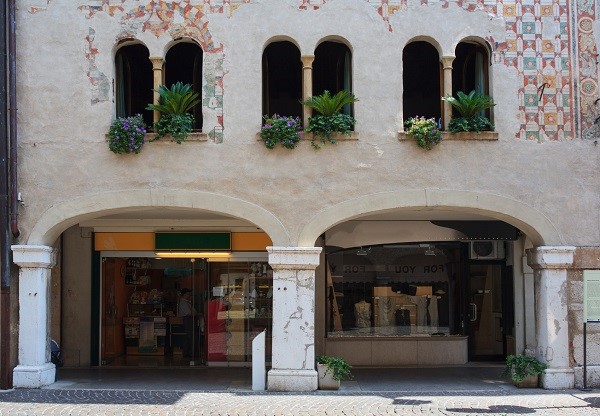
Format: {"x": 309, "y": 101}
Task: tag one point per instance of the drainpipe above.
{"x": 12, "y": 96}
{"x": 5, "y": 368}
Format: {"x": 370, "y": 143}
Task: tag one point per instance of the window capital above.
{"x": 447, "y": 61}
{"x": 307, "y": 61}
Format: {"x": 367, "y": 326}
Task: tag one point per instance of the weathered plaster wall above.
{"x": 65, "y": 64}
{"x": 76, "y": 296}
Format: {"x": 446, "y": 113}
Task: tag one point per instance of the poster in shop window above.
{"x": 591, "y": 295}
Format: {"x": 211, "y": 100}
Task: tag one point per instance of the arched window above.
{"x": 332, "y": 70}
{"x": 183, "y": 63}
{"x": 470, "y": 70}
{"x": 421, "y": 81}
{"x": 282, "y": 80}
{"x": 134, "y": 82}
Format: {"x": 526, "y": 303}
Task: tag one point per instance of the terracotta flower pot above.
{"x": 528, "y": 382}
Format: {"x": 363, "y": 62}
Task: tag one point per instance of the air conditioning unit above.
{"x": 486, "y": 250}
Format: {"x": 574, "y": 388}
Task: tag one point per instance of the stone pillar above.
{"x": 551, "y": 308}
{"x": 307, "y": 92}
{"x": 529, "y": 308}
{"x": 293, "y": 350}
{"x": 35, "y": 369}
{"x": 157, "y": 66}
{"x": 447, "y": 65}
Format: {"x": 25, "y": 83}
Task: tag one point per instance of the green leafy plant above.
{"x": 520, "y": 367}
{"x": 330, "y": 120}
{"x": 174, "y": 106}
{"x": 338, "y": 366}
{"x": 126, "y": 134}
{"x": 470, "y": 107}
{"x": 424, "y": 130}
{"x": 281, "y": 129}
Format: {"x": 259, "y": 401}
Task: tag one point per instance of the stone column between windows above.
{"x": 307, "y": 92}
{"x": 293, "y": 344}
{"x": 157, "y": 70}
{"x": 551, "y": 309}
{"x": 34, "y": 369}
{"x": 447, "y": 65}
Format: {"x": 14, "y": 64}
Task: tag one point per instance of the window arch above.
{"x": 282, "y": 79}
{"x": 421, "y": 81}
{"x": 134, "y": 81}
{"x": 470, "y": 68}
{"x": 332, "y": 70}
{"x": 183, "y": 63}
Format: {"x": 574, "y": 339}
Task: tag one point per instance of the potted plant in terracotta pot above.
{"x": 524, "y": 370}
{"x": 175, "y": 104}
{"x": 330, "y": 119}
{"x": 331, "y": 371}
{"x": 470, "y": 107}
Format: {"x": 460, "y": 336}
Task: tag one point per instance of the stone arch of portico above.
{"x": 529, "y": 220}
{"x": 66, "y": 214}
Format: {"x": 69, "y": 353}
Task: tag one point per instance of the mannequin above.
{"x": 362, "y": 311}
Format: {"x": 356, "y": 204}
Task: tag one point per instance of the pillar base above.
{"x": 292, "y": 380}
{"x": 34, "y": 376}
{"x": 558, "y": 378}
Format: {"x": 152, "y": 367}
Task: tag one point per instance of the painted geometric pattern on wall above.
{"x": 538, "y": 44}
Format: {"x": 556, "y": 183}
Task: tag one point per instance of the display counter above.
{"x": 388, "y": 351}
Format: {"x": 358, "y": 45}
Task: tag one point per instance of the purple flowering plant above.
{"x": 424, "y": 130}
{"x": 281, "y": 129}
{"x": 126, "y": 134}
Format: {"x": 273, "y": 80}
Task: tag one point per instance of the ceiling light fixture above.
{"x": 362, "y": 251}
{"x": 191, "y": 254}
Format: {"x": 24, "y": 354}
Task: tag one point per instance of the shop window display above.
{"x": 232, "y": 301}
{"x": 396, "y": 290}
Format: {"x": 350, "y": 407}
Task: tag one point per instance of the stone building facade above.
{"x": 537, "y": 175}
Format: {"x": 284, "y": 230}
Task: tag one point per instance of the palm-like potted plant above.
{"x": 524, "y": 370}
{"x": 470, "y": 107}
{"x": 330, "y": 120}
{"x": 174, "y": 106}
{"x": 332, "y": 370}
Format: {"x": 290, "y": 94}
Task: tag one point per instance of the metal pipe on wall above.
{"x": 12, "y": 97}
{"x": 5, "y": 367}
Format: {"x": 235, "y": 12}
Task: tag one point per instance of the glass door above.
{"x": 487, "y": 338}
{"x": 239, "y": 308}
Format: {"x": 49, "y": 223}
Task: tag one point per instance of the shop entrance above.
{"x": 183, "y": 311}
{"x": 490, "y": 311}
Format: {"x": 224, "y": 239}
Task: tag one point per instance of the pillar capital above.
{"x": 447, "y": 61}
{"x": 294, "y": 258}
{"x": 550, "y": 257}
{"x": 307, "y": 61}
{"x": 157, "y": 62}
{"x": 33, "y": 256}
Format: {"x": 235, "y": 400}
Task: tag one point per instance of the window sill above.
{"x": 462, "y": 136}
{"x": 353, "y": 136}
{"x": 196, "y": 136}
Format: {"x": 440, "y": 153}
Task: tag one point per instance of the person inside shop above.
{"x": 186, "y": 310}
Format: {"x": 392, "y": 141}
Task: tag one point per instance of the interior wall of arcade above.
{"x": 74, "y": 312}
{"x": 235, "y": 164}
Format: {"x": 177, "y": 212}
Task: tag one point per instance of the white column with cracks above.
{"x": 293, "y": 343}
{"x": 551, "y": 309}
{"x": 34, "y": 369}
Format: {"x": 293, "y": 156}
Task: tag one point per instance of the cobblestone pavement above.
{"x": 242, "y": 401}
